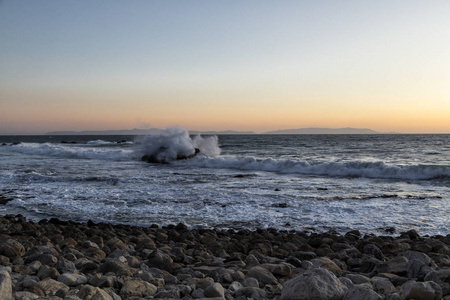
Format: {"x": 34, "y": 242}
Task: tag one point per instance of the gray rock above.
{"x": 383, "y": 286}
{"x": 441, "y": 277}
{"x": 118, "y": 266}
{"x": 314, "y": 284}
{"x": 397, "y": 265}
{"x": 137, "y": 287}
{"x": 251, "y": 261}
{"x": 90, "y": 292}
{"x": 160, "y": 260}
{"x": 326, "y": 263}
{"x": 12, "y": 249}
{"x": 357, "y": 278}
{"x": 410, "y": 255}
{"x": 198, "y": 293}
{"x": 72, "y": 279}
{"x": 115, "y": 243}
{"x": 251, "y": 292}
{"x": 28, "y": 281}
{"x": 281, "y": 270}
{"x": 52, "y": 287}
{"x": 24, "y": 295}
{"x": 359, "y": 292}
{"x": 168, "y": 294}
{"x": 421, "y": 290}
{"x": 47, "y": 271}
{"x": 347, "y": 282}
{"x": 5, "y": 285}
{"x": 102, "y": 281}
{"x": 250, "y": 281}
{"x": 414, "y": 268}
{"x": 215, "y": 290}
{"x": 234, "y": 286}
{"x": 373, "y": 250}
{"x": 35, "y": 266}
{"x": 47, "y": 259}
{"x": 264, "y": 276}
{"x": 65, "y": 266}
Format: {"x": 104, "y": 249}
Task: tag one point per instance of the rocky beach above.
{"x": 54, "y": 259}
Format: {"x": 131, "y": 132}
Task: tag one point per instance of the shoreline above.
{"x": 70, "y": 260}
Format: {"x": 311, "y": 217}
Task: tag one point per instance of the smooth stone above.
{"x": 24, "y": 295}
{"x": 46, "y": 271}
{"x": 358, "y": 292}
{"x": 215, "y": 290}
{"x": 264, "y": 276}
{"x": 326, "y": 263}
{"x": 421, "y": 290}
{"x": 234, "y": 286}
{"x": 52, "y": 287}
{"x": 160, "y": 260}
{"x": 313, "y": 284}
{"x": 72, "y": 279}
{"x": 357, "y": 278}
{"x": 12, "y": 249}
{"x": 252, "y": 293}
{"x": 281, "y": 270}
{"x": 250, "y": 282}
{"x": 91, "y": 292}
{"x": 5, "y": 285}
{"x": 137, "y": 287}
{"x": 383, "y": 286}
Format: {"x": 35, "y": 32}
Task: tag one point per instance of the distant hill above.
{"x": 313, "y": 130}
{"x": 152, "y": 131}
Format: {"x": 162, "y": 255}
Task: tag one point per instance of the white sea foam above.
{"x": 174, "y": 143}
{"x": 377, "y": 169}
{"x": 99, "y": 142}
{"x": 71, "y": 151}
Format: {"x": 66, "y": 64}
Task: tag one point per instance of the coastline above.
{"x": 69, "y": 260}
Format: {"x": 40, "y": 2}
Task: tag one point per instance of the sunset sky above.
{"x": 217, "y": 65}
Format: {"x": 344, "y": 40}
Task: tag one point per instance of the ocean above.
{"x": 314, "y": 183}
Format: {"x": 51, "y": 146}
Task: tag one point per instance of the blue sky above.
{"x": 243, "y": 65}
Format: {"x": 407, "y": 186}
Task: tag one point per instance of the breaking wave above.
{"x": 71, "y": 152}
{"x": 175, "y": 143}
{"x": 351, "y": 169}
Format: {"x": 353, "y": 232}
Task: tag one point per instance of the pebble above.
{"x": 55, "y": 259}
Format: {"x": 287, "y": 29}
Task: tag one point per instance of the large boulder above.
{"x": 428, "y": 290}
{"x": 263, "y": 275}
{"x": 314, "y": 284}
{"x": 5, "y": 285}
{"x": 12, "y": 249}
{"x": 137, "y": 287}
{"x": 358, "y": 292}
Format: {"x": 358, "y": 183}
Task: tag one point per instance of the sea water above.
{"x": 288, "y": 182}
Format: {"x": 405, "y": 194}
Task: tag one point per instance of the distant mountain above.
{"x": 225, "y": 132}
{"x": 313, "y": 130}
{"x": 152, "y": 131}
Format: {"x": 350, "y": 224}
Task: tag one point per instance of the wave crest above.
{"x": 175, "y": 143}
{"x": 377, "y": 169}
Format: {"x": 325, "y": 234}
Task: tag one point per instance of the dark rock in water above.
{"x": 16, "y": 143}
{"x": 281, "y": 205}
{"x": 157, "y": 159}
{"x": 4, "y": 200}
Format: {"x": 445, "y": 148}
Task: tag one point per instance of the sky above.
{"x": 224, "y": 65}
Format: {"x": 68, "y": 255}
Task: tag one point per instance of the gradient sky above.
{"x": 215, "y": 65}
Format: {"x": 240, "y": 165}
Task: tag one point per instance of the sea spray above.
{"x": 173, "y": 144}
